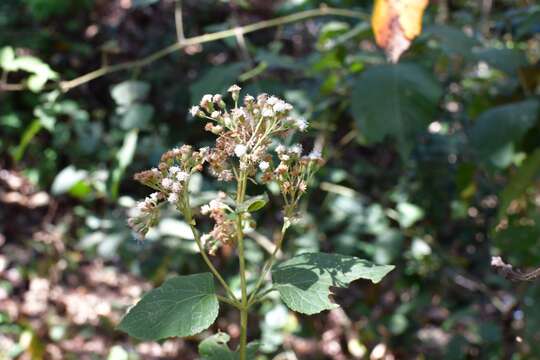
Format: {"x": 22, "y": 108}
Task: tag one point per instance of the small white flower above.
{"x": 194, "y": 110}
{"x": 141, "y": 205}
{"x": 281, "y": 149}
{"x": 206, "y": 99}
{"x": 153, "y": 197}
{"x": 240, "y": 150}
{"x": 301, "y": 124}
{"x": 176, "y": 187}
{"x": 166, "y": 183}
{"x": 204, "y": 150}
{"x": 296, "y": 149}
{"x": 205, "y": 209}
{"x": 315, "y": 155}
{"x": 216, "y": 204}
{"x": 173, "y": 198}
{"x": 267, "y": 112}
{"x": 234, "y": 88}
{"x": 280, "y": 106}
{"x": 264, "y": 165}
{"x": 217, "y": 98}
{"x": 182, "y": 176}
{"x": 205, "y": 238}
{"x": 272, "y": 100}
{"x": 174, "y": 169}
{"x": 215, "y": 114}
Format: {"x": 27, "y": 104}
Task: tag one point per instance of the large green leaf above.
{"x": 304, "y": 281}
{"x": 394, "y": 99}
{"x": 498, "y": 128}
{"x": 520, "y": 181}
{"x": 215, "y": 348}
{"x": 182, "y": 306}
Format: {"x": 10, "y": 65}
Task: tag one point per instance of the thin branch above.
{"x": 508, "y": 271}
{"x": 219, "y": 35}
{"x": 178, "y": 20}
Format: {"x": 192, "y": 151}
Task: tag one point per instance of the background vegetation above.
{"x": 433, "y": 166}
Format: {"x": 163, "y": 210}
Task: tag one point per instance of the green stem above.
{"x": 267, "y": 266}
{"x": 241, "y": 191}
{"x": 189, "y": 219}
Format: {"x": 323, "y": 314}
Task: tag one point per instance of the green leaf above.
{"x": 520, "y": 181}
{"x": 7, "y": 59}
{"x": 124, "y": 158}
{"x": 137, "y": 116}
{"x": 215, "y": 348}
{"x": 498, "y": 128}
{"x": 452, "y": 40}
{"x": 254, "y": 203}
{"x": 507, "y": 60}
{"x": 304, "y": 281}
{"x": 216, "y": 80}
{"x": 397, "y": 100}
{"x": 67, "y": 179}
{"x": 129, "y": 92}
{"x": 182, "y": 306}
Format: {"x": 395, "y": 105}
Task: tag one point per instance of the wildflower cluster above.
{"x": 170, "y": 180}
{"x": 244, "y": 132}
{"x": 245, "y": 135}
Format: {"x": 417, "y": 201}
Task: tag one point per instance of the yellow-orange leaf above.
{"x": 396, "y": 23}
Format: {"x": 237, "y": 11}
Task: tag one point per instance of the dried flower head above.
{"x": 245, "y": 135}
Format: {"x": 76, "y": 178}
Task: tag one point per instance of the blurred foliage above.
{"x": 433, "y": 165}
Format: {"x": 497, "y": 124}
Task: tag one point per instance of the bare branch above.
{"x": 67, "y": 85}
{"x": 508, "y": 271}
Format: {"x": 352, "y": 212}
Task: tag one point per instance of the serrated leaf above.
{"x": 520, "y": 181}
{"x": 397, "y": 100}
{"x": 304, "y": 281}
{"x": 215, "y": 348}
{"x": 498, "y": 128}
{"x": 182, "y": 306}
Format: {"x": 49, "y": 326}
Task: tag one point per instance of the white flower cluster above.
{"x": 173, "y": 183}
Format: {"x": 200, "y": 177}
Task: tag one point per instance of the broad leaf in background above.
{"x": 130, "y": 92}
{"x": 182, "y": 306}
{"x": 124, "y": 157}
{"x": 394, "y": 99}
{"x": 304, "y": 281}
{"x": 216, "y": 80}
{"x": 520, "y": 181}
{"x": 396, "y": 23}
{"x": 506, "y": 60}
{"x": 452, "y": 40}
{"x": 67, "y": 179}
{"x": 215, "y": 348}
{"x": 496, "y": 129}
